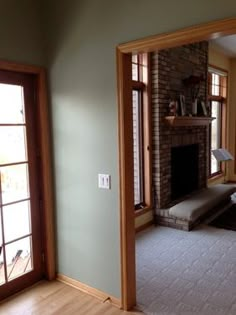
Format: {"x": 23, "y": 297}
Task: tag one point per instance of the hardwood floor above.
{"x": 57, "y": 298}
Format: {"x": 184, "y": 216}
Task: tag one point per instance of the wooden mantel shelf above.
{"x": 188, "y": 121}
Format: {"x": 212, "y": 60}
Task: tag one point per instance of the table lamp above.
{"x": 222, "y": 155}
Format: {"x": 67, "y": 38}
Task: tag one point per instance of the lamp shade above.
{"x": 222, "y": 155}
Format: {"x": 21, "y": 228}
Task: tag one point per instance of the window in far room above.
{"x": 141, "y": 131}
{"x": 217, "y": 93}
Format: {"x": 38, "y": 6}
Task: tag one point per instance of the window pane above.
{"x": 16, "y": 220}
{"x": 137, "y": 148}
{"x": 215, "y": 84}
{"x": 215, "y": 134}
{"x": 14, "y": 181}
{"x": 134, "y": 72}
{"x": 12, "y": 104}
{"x": 19, "y": 258}
{"x": 135, "y": 58}
{"x": 12, "y": 139}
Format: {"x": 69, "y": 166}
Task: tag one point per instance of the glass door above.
{"x": 20, "y": 243}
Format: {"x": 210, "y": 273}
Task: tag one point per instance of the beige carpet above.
{"x": 186, "y": 272}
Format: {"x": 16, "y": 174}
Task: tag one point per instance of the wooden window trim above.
{"x": 45, "y": 161}
{"x": 142, "y": 211}
{"x": 217, "y": 98}
{"x": 137, "y": 85}
{"x": 222, "y": 98}
{"x": 147, "y": 127}
{"x": 127, "y": 227}
{"x": 215, "y": 178}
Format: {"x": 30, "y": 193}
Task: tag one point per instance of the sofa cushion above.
{"x": 201, "y": 202}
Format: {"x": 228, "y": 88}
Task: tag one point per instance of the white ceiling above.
{"x": 226, "y": 45}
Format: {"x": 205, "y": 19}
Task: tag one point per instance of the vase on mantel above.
{"x": 194, "y": 107}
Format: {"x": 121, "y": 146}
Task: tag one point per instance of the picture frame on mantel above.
{"x": 173, "y": 108}
{"x": 194, "y": 107}
{"x": 204, "y": 109}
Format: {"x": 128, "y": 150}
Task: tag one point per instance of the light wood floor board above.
{"x": 55, "y": 298}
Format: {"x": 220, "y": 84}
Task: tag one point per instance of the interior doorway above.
{"x": 124, "y": 56}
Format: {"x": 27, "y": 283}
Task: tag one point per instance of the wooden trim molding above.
{"x": 181, "y": 37}
{"x": 127, "y": 224}
{"x": 140, "y": 212}
{"x": 46, "y": 161}
{"x": 47, "y": 180}
{"x": 102, "y": 296}
{"x": 18, "y": 67}
{"x": 219, "y": 178}
{"x": 124, "y": 85}
{"x": 223, "y": 99}
{"x": 144, "y": 226}
{"x": 147, "y": 133}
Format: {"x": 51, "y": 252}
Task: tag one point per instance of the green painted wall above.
{"x": 82, "y": 37}
{"x": 21, "y": 37}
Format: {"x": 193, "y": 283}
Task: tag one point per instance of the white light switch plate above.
{"x": 104, "y": 181}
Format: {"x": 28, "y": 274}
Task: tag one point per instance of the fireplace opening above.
{"x": 184, "y": 170}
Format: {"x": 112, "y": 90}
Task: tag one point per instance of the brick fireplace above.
{"x": 169, "y": 69}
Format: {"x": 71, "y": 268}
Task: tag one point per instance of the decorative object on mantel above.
{"x": 199, "y": 108}
{"x": 198, "y": 105}
{"x": 194, "y": 107}
{"x": 177, "y": 107}
{"x": 173, "y": 108}
{"x": 204, "y": 109}
{"x": 182, "y": 105}
{"x": 179, "y": 121}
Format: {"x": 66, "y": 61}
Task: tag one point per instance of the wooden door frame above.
{"x": 188, "y": 35}
{"x": 47, "y": 206}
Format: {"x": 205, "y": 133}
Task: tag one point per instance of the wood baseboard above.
{"x": 102, "y": 296}
{"x": 144, "y": 226}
